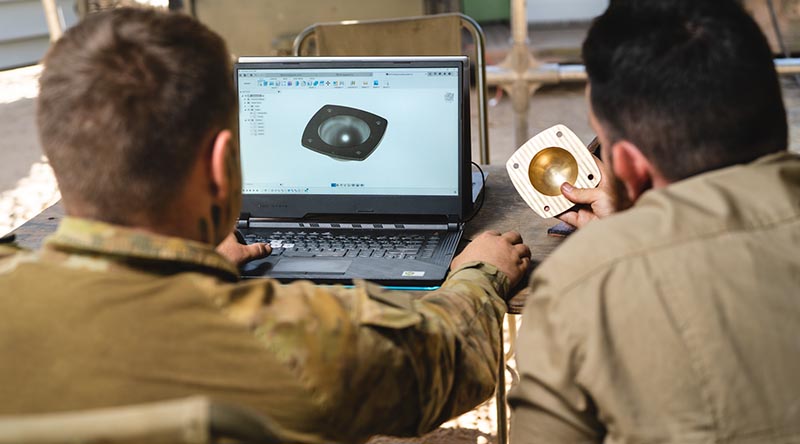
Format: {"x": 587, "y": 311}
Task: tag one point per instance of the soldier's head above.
{"x": 135, "y": 113}
{"x": 680, "y": 87}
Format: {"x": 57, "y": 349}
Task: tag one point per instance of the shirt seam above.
{"x": 689, "y": 343}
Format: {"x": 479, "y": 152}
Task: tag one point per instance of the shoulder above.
{"x": 684, "y": 216}
{"x": 11, "y": 255}
{"x": 7, "y": 250}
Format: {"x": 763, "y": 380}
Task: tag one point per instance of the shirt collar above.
{"x": 777, "y": 157}
{"x": 90, "y": 236}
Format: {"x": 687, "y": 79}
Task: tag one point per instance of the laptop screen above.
{"x": 350, "y": 131}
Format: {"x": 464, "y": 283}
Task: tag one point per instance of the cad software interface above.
{"x": 386, "y": 131}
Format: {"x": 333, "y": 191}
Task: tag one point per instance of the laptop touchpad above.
{"x": 312, "y": 266}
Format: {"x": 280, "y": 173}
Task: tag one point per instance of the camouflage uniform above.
{"x": 104, "y": 315}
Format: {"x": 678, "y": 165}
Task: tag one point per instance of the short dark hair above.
{"x": 127, "y": 97}
{"x": 691, "y": 82}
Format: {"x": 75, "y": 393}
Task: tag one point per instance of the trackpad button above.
{"x": 311, "y": 266}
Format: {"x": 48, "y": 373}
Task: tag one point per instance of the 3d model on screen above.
{"x": 344, "y": 133}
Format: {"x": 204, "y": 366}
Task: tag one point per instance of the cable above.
{"x": 481, "y": 196}
{"x": 779, "y": 35}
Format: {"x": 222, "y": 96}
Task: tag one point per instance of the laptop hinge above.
{"x": 453, "y": 226}
{"x": 271, "y": 223}
{"x": 244, "y": 220}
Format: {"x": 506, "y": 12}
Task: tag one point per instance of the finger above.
{"x": 513, "y": 237}
{"x": 523, "y": 250}
{"x": 585, "y": 196}
{"x": 570, "y": 217}
{"x": 257, "y": 251}
{"x": 491, "y": 233}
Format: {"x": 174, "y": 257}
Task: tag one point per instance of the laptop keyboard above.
{"x": 377, "y": 244}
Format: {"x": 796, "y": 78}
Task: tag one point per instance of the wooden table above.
{"x": 502, "y": 210}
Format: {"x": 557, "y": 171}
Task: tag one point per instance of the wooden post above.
{"x": 83, "y": 8}
{"x": 53, "y": 21}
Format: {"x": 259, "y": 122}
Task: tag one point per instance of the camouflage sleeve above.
{"x": 386, "y": 362}
{"x": 8, "y": 247}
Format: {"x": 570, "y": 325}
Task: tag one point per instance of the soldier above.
{"x": 129, "y": 302}
{"x": 675, "y": 320}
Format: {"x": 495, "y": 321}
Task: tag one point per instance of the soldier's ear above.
{"x": 632, "y": 168}
{"x": 220, "y": 165}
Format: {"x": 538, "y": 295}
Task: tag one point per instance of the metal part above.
{"x": 550, "y": 168}
{"x": 479, "y": 39}
{"x": 500, "y": 391}
{"x": 344, "y": 131}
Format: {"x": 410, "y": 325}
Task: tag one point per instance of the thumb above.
{"x": 576, "y": 195}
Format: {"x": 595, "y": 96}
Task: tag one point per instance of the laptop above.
{"x": 354, "y": 168}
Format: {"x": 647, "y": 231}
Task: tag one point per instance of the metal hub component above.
{"x": 344, "y": 131}
{"x": 550, "y": 168}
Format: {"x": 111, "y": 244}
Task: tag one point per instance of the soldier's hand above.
{"x": 241, "y": 254}
{"x": 505, "y": 251}
{"x": 593, "y": 203}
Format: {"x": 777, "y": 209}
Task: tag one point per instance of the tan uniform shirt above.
{"x": 675, "y": 321}
{"x": 105, "y": 316}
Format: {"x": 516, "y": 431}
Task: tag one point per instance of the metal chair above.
{"x": 193, "y": 420}
{"x": 429, "y": 35}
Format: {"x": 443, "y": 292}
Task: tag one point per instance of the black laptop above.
{"x": 354, "y": 168}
